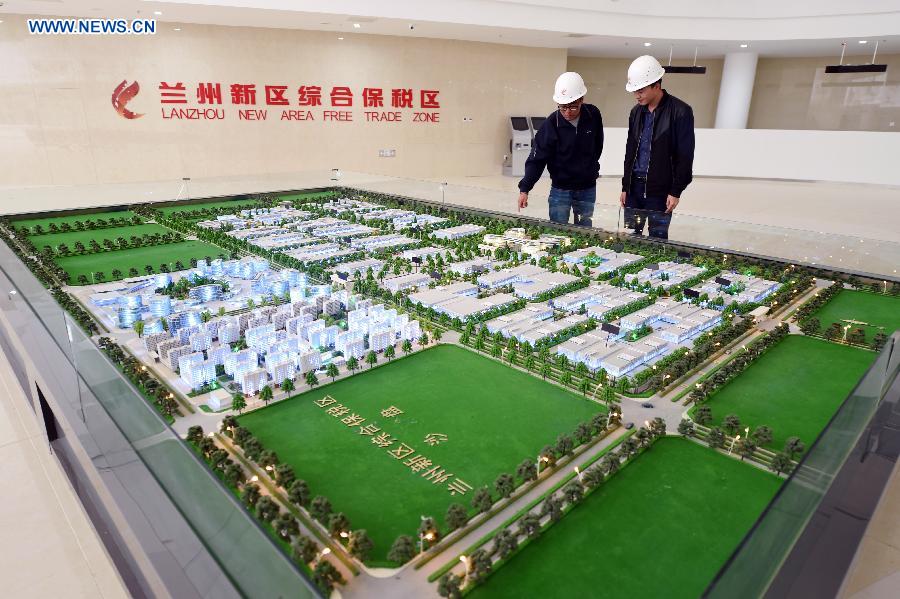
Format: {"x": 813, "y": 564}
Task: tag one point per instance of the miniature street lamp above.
{"x": 465, "y": 562}
{"x": 733, "y": 441}
{"x": 580, "y": 474}
{"x": 846, "y": 328}
{"x": 345, "y": 534}
{"x": 254, "y": 478}
{"x": 320, "y": 555}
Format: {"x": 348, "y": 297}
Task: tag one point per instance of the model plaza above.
{"x": 411, "y": 338}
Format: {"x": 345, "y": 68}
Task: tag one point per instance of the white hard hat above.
{"x": 644, "y": 71}
{"x": 569, "y": 87}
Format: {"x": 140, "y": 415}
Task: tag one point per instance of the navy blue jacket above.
{"x": 571, "y": 155}
{"x": 671, "y": 147}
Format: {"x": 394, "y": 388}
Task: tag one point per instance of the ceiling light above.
{"x": 340, "y": 38}
{"x": 178, "y": 29}
{"x": 863, "y": 41}
{"x": 157, "y": 12}
{"x": 744, "y": 45}
{"x": 647, "y": 44}
{"x": 356, "y": 25}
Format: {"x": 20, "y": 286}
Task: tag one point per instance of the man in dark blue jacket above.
{"x": 659, "y": 153}
{"x": 569, "y": 144}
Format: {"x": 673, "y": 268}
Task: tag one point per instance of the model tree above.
{"x": 449, "y": 586}
{"x": 530, "y": 525}
{"x": 298, "y": 493}
{"x": 238, "y": 402}
{"x": 266, "y": 508}
{"x": 482, "y": 500}
{"x": 686, "y": 428}
{"x": 402, "y": 550}
{"x": 564, "y": 445}
{"x": 480, "y": 564}
{"x": 250, "y": 495}
{"x": 793, "y": 446}
{"x": 338, "y": 523}
{"x": 746, "y": 447}
{"x": 762, "y": 435}
{"x": 287, "y": 384}
{"x": 703, "y": 415}
{"x": 265, "y": 394}
{"x": 326, "y": 576}
{"x": 311, "y": 379}
{"x": 716, "y": 437}
{"x": 780, "y": 463}
{"x": 286, "y": 526}
{"x": 505, "y": 485}
{"x": 553, "y": 506}
{"x": 360, "y": 545}
{"x": 505, "y": 543}
{"x": 406, "y": 346}
{"x": 456, "y": 516}
{"x": 352, "y": 364}
{"x": 731, "y": 423}
{"x": 332, "y": 371}
{"x": 592, "y": 477}
{"x": 320, "y": 509}
{"x": 573, "y": 492}
{"x": 810, "y": 326}
{"x": 371, "y": 358}
{"x": 879, "y": 340}
{"x": 527, "y": 470}
{"x": 389, "y": 352}
{"x": 305, "y": 549}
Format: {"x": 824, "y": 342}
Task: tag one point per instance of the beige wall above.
{"x": 57, "y": 125}
{"x": 795, "y": 93}
{"x": 789, "y": 93}
{"x": 605, "y": 80}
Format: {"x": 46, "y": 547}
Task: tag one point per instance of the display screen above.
{"x": 537, "y": 121}
{"x": 519, "y": 123}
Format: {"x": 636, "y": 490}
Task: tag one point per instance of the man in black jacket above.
{"x": 569, "y": 144}
{"x": 659, "y": 153}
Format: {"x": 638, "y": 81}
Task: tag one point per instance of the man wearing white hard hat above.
{"x": 659, "y": 153}
{"x": 569, "y": 144}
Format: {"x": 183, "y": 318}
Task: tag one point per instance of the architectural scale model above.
{"x": 382, "y": 380}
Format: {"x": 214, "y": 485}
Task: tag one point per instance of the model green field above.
{"x": 84, "y": 216}
{"x": 662, "y": 527}
{"x": 877, "y": 310}
{"x": 494, "y": 417}
{"x": 137, "y": 258}
{"x": 71, "y": 237}
{"x": 795, "y": 387}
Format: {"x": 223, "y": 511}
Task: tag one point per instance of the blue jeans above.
{"x": 650, "y": 210}
{"x": 579, "y": 201}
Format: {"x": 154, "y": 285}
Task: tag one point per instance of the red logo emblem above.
{"x": 122, "y": 95}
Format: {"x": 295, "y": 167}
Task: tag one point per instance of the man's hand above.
{"x": 523, "y": 200}
{"x": 671, "y": 202}
{"x": 622, "y": 199}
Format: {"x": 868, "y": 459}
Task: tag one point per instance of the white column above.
{"x": 738, "y": 76}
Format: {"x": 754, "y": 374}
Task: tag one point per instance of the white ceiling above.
{"x": 616, "y": 28}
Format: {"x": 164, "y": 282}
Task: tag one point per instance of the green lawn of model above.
{"x": 795, "y": 388}
{"x": 45, "y": 221}
{"x": 877, "y": 310}
{"x": 85, "y": 237}
{"x": 138, "y": 258}
{"x": 494, "y": 417}
{"x": 662, "y": 527}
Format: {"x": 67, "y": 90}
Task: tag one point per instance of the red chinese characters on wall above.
{"x": 335, "y": 103}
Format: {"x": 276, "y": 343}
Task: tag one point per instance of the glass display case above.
{"x": 182, "y": 530}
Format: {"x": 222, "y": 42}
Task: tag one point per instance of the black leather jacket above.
{"x": 671, "y": 149}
